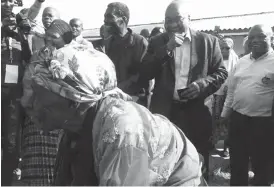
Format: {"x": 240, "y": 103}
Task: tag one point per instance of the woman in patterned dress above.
{"x": 39, "y": 149}
{"x": 108, "y": 140}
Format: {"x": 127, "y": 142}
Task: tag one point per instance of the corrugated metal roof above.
{"x": 233, "y": 23}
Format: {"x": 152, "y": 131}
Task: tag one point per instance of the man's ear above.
{"x": 125, "y": 19}
{"x": 272, "y": 41}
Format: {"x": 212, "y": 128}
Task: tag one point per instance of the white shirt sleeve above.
{"x": 231, "y": 85}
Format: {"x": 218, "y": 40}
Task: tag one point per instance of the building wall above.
{"x": 238, "y": 43}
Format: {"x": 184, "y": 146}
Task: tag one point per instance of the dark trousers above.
{"x": 250, "y": 137}
{"x": 195, "y": 121}
{"x": 11, "y": 115}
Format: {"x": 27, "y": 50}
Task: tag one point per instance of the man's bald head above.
{"x": 77, "y": 27}
{"x": 177, "y": 17}
{"x": 49, "y": 15}
{"x": 260, "y": 38}
{"x": 180, "y": 6}
{"x": 76, "y": 20}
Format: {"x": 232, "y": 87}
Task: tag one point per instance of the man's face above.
{"x": 225, "y": 49}
{"x": 175, "y": 20}
{"x": 6, "y": 7}
{"x": 113, "y": 24}
{"x": 49, "y": 15}
{"x": 77, "y": 28}
{"x": 260, "y": 40}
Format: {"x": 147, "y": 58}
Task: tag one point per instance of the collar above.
{"x": 188, "y": 35}
{"x": 271, "y": 51}
{"x": 78, "y": 38}
{"x": 128, "y": 39}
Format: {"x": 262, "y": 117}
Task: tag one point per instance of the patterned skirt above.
{"x": 39, "y": 152}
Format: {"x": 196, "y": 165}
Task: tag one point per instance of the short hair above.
{"x": 120, "y": 10}
{"x": 75, "y": 19}
{"x": 156, "y": 30}
{"x": 144, "y": 33}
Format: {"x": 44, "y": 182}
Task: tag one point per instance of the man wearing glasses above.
{"x": 188, "y": 67}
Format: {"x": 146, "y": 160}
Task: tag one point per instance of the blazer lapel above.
{"x": 171, "y": 61}
{"x": 195, "y": 43}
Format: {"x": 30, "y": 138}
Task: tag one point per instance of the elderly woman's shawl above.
{"x": 66, "y": 82}
{"x": 131, "y": 146}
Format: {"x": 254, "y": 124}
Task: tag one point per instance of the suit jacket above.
{"x": 207, "y": 70}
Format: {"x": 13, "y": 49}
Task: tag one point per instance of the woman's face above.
{"x": 225, "y": 49}
{"x": 54, "y": 40}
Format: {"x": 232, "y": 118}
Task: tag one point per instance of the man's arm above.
{"x": 35, "y": 9}
{"x": 217, "y": 73}
{"x": 231, "y": 85}
{"x": 153, "y": 60}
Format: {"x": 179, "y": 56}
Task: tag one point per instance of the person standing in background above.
{"x": 37, "y": 39}
{"x": 188, "y": 67}
{"x": 145, "y": 33}
{"x": 156, "y": 31}
{"x": 230, "y": 62}
{"x": 39, "y": 150}
{"x": 126, "y": 49}
{"x": 11, "y": 88}
{"x": 77, "y": 28}
{"x": 100, "y": 44}
{"x": 248, "y": 106}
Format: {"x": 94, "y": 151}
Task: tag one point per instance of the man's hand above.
{"x": 175, "y": 41}
{"x": 192, "y": 91}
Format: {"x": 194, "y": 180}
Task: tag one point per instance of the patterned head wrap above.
{"x": 62, "y": 28}
{"x": 74, "y": 80}
{"x": 80, "y": 74}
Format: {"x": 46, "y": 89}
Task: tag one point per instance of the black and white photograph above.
{"x": 137, "y": 93}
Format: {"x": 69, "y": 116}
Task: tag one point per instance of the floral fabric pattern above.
{"x": 128, "y": 140}
{"x": 82, "y": 75}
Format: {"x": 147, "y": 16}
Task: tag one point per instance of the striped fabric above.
{"x": 38, "y": 155}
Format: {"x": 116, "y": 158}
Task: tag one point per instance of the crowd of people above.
{"x": 129, "y": 109}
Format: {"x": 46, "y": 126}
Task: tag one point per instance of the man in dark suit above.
{"x": 190, "y": 61}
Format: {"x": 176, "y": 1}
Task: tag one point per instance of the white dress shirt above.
{"x": 182, "y": 65}
{"x": 80, "y": 40}
{"x": 251, "y": 87}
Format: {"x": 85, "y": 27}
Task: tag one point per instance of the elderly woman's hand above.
{"x": 58, "y": 70}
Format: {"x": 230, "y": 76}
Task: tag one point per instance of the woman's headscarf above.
{"x": 65, "y": 87}
{"x": 62, "y": 28}
{"x": 80, "y": 74}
